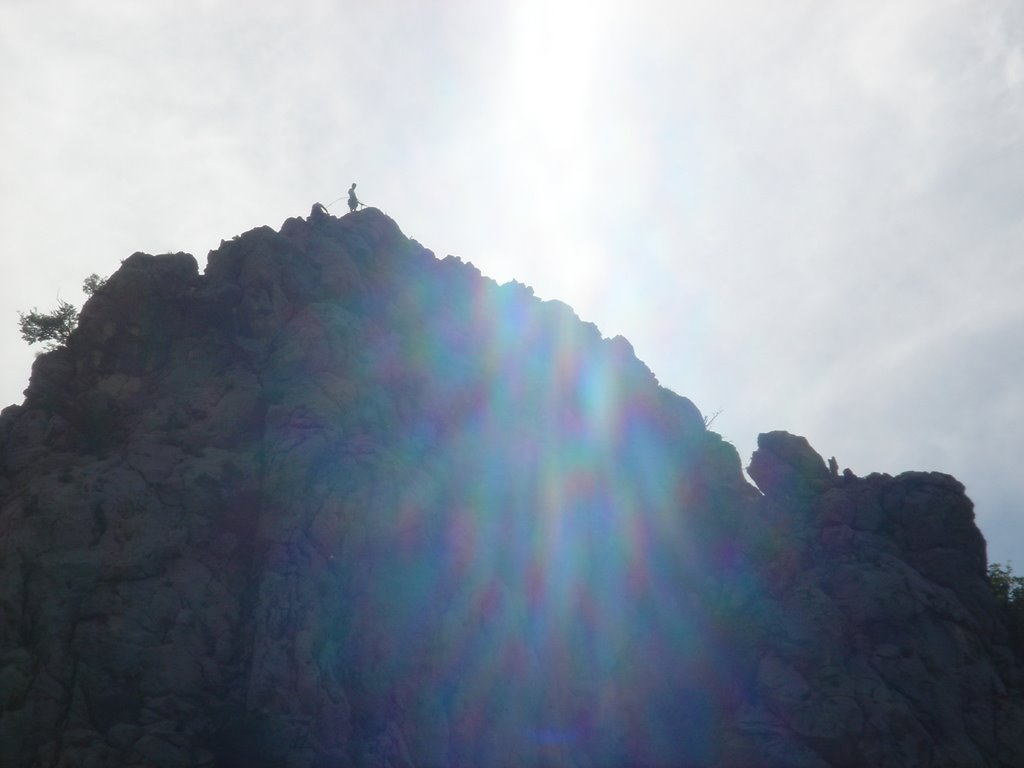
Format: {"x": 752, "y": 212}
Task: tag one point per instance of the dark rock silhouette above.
{"x": 336, "y": 502}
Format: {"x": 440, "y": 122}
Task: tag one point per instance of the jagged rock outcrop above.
{"x": 336, "y": 502}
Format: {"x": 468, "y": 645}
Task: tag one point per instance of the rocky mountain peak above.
{"x": 336, "y": 502}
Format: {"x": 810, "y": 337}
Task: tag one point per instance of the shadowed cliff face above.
{"x": 335, "y": 502}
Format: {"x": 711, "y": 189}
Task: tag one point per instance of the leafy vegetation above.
{"x": 93, "y": 283}
{"x": 55, "y": 327}
{"x": 1008, "y": 591}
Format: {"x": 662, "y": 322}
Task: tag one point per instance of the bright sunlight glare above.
{"x": 551, "y": 103}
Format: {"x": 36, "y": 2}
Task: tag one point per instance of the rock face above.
{"x": 335, "y": 502}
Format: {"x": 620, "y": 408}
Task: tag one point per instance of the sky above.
{"x": 804, "y": 215}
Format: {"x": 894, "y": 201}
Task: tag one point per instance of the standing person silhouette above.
{"x": 353, "y": 201}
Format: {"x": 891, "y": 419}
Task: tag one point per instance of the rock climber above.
{"x": 353, "y": 201}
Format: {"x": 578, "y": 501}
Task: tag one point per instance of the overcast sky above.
{"x": 804, "y": 214}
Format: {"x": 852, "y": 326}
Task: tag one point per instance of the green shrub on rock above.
{"x": 1008, "y": 591}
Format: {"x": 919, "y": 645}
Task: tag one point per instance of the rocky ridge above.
{"x": 336, "y": 502}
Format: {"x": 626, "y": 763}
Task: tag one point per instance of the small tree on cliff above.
{"x": 55, "y": 327}
{"x": 93, "y": 283}
{"x": 1008, "y": 591}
